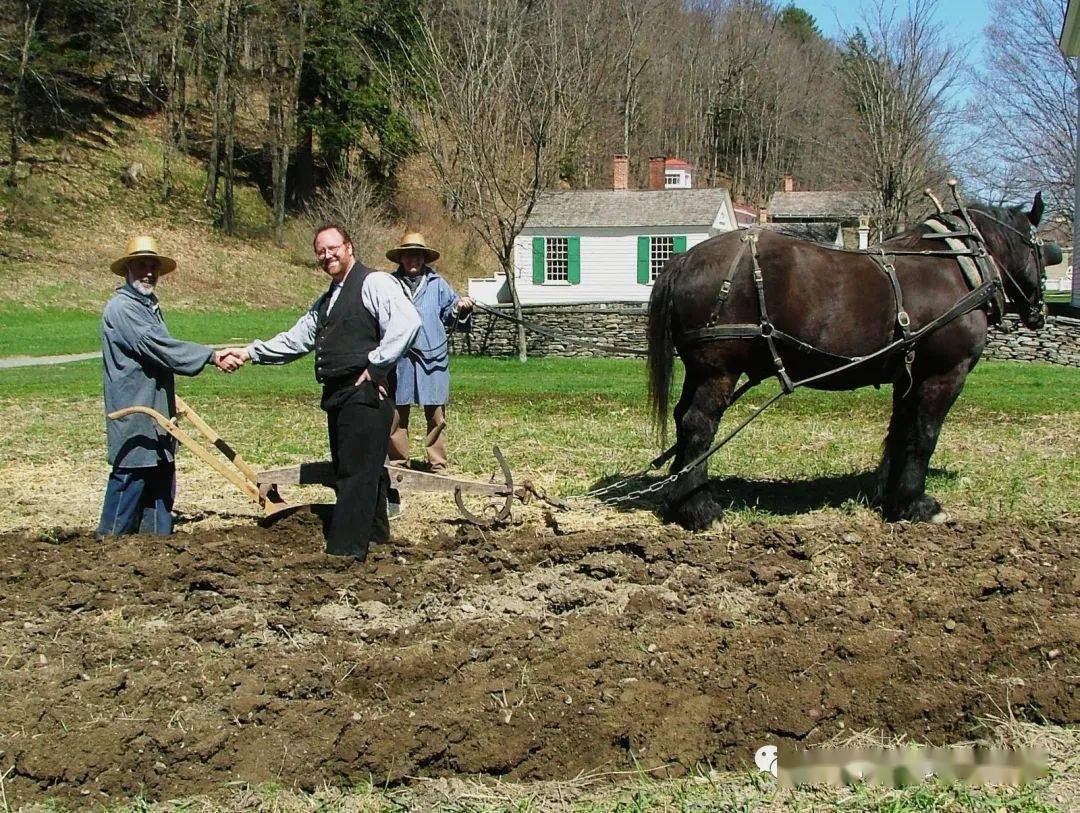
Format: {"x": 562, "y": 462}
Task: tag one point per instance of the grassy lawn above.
{"x": 55, "y": 331}
{"x": 570, "y": 423}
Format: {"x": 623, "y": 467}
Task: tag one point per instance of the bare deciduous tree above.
{"x": 1025, "y": 111}
{"x": 25, "y": 33}
{"x": 901, "y": 77}
{"x": 281, "y": 29}
{"x": 487, "y": 90}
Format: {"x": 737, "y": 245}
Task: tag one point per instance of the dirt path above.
{"x": 171, "y": 667}
{"x": 9, "y": 362}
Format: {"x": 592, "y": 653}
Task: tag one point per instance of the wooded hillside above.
{"x": 321, "y": 102}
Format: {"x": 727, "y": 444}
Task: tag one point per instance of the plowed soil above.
{"x": 161, "y": 668}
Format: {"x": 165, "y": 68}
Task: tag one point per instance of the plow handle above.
{"x": 234, "y": 477}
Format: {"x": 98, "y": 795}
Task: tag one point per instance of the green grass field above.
{"x": 571, "y": 423}
{"x": 56, "y": 331}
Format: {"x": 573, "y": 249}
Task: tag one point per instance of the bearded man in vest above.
{"x": 358, "y": 329}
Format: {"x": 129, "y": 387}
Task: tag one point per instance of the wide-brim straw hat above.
{"x": 143, "y": 246}
{"x": 413, "y": 241}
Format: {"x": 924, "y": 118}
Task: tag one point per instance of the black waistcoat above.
{"x": 345, "y": 336}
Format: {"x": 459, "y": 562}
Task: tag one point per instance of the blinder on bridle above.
{"x": 1052, "y": 253}
{"x": 1044, "y": 253}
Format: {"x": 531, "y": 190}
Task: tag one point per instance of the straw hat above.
{"x": 143, "y": 246}
{"x": 412, "y": 241}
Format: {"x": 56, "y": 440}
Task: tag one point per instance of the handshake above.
{"x": 230, "y": 359}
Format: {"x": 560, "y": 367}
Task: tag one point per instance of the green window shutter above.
{"x": 538, "y": 261}
{"x": 643, "y": 260}
{"x": 573, "y": 260}
{"x": 680, "y": 243}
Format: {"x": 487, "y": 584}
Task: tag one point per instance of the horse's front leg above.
{"x": 698, "y": 413}
{"x": 913, "y": 436}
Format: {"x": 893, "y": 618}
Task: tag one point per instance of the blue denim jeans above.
{"x": 139, "y": 501}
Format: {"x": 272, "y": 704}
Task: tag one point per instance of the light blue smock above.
{"x": 423, "y": 373}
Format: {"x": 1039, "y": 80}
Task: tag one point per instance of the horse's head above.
{"x": 1011, "y": 236}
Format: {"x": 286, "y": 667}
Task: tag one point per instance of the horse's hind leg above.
{"x": 698, "y": 413}
{"x": 913, "y": 436}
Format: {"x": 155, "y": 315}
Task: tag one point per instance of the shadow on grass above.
{"x": 780, "y": 497}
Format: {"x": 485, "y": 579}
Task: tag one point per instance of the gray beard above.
{"x": 144, "y": 288}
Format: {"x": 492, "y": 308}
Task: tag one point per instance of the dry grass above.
{"x": 60, "y": 230}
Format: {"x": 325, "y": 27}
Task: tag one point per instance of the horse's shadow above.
{"x": 781, "y": 497}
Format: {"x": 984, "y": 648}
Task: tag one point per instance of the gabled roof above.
{"x": 628, "y": 207}
{"x": 746, "y": 214}
{"x": 814, "y": 232}
{"x": 841, "y": 205}
{"x": 677, "y": 163}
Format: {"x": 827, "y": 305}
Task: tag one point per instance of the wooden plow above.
{"x": 262, "y": 487}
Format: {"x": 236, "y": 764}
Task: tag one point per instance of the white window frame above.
{"x": 557, "y": 258}
{"x": 659, "y": 254}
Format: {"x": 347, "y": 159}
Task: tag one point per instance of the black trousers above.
{"x": 359, "y": 425}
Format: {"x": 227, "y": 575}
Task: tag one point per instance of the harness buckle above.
{"x": 725, "y": 286}
{"x": 903, "y": 319}
{"x": 767, "y": 329}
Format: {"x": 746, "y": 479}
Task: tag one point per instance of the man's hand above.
{"x": 230, "y": 359}
{"x": 465, "y": 304}
{"x": 376, "y": 379}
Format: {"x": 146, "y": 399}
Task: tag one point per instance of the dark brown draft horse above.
{"x": 907, "y": 313}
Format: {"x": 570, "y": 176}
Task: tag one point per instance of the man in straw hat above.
{"x": 423, "y": 374}
{"x": 140, "y": 359}
{"x": 358, "y": 329}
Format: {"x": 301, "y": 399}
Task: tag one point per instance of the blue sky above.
{"x": 963, "y": 20}
{"x": 962, "y": 23}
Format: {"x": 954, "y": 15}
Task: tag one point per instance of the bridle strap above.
{"x": 1033, "y": 242}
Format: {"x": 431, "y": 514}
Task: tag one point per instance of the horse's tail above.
{"x": 661, "y": 346}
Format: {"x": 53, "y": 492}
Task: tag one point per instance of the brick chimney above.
{"x": 620, "y": 171}
{"x": 789, "y": 183}
{"x": 656, "y": 172}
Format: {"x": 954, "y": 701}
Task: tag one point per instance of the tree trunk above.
{"x": 16, "y": 112}
{"x": 213, "y": 163}
{"x": 506, "y": 260}
{"x": 229, "y": 214}
{"x": 279, "y": 158}
{"x": 232, "y": 55}
{"x": 173, "y": 111}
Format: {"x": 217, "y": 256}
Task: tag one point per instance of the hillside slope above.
{"x": 72, "y": 215}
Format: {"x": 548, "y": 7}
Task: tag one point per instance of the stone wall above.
{"x": 624, "y": 324}
{"x": 608, "y": 323}
{"x": 1058, "y": 342}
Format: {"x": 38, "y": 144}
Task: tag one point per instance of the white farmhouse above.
{"x": 606, "y": 245}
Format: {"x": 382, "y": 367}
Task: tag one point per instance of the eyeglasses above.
{"x": 328, "y": 250}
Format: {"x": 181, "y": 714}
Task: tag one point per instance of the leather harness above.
{"x": 987, "y": 291}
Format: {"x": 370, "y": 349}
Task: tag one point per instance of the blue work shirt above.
{"x": 140, "y": 358}
{"x": 423, "y": 374}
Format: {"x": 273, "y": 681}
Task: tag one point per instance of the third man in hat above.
{"x": 423, "y": 374}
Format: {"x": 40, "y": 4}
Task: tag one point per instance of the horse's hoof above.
{"x": 940, "y": 518}
{"x": 699, "y": 515}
